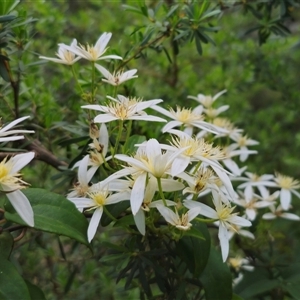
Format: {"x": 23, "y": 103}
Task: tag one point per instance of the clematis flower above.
{"x": 207, "y": 101}
{"x": 116, "y": 78}
{"x": 279, "y": 213}
{"x": 182, "y": 222}
{"x": 98, "y": 197}
{"x": 149, "y": 160}
{"x": 187, "y": 117}
{"x": 242, "y": 142}
{"x": 11, "y": 183}
{"x": 92, "y": 53}
{"x": 125, "y": 108}
{"x": 229, "y": 129}
{"x": 84, "y": 177}
{"x": 288, "y": 187}
{"x": 4, "y": 131}
{"x": 65, "y": 56}
{"x": 168, "y": 185}
{"x": 225, "y": 216}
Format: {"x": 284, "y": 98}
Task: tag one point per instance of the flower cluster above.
{"x": 197, "y": 174}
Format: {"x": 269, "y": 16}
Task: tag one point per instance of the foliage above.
{"x": 180, "y": 48}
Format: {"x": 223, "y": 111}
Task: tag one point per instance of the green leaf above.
{"x": 53, "y": 213}
{"x": 7, "y": 18}
{"x": 293, "y": 289}
{"x": 132, "y": 141}
{"x": 35, "y": 292}
{"x": 255, "y": 283}
{"x": 3, "y": 71}
{"x": 195, "y": 260}
{"x": 216, "y": 278}
{"x": 12, "y": 285}
{"x": 6, "y": 244}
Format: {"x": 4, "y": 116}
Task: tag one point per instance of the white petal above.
{"x": 21, "y": 160}
{"x": 103, "y": 138}
{"x": 179, "y": 165}
{"x": 193, "y": 213}
{"x": 285, "y": 199}
{"x": 137, "y": 193}
{"x": 168, "y": 215}
{"x": 139, "y": 219}
{"x": 269, "y": 216}
{"x": 83, "y": 171}
{"x": 22, "y": 206}
{"x": 224, "y": 241}
{"x": 290, "y": 216}
{"x": 94, "y": 223}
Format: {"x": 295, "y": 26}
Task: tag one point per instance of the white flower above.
{"x": 182, "y": 222}
{"x": 227, "y": 220}
{"x": 98, "y": 197}
{"x": 207, "y": 101}
{"x": 253, "y": 180}
{"x": 187, "y": 117}
{"x": 4, "y": 131}
{"x": 239, "y": 263}
{"x": 116, "y": 78}
{"x": 229, "y": 129}
{"x": 212, "y": 113}
{"x": 11, "y": 183}
{"x": 125, "y": 108}
{"x": 242, "y": 142}
{"x": 149, "y": 159}
{"x": 84, "y": 177}
{"x": 93, "y": 53}
{"x": 288, "y": 187}
{"x": 168, "y": 185}
{"x": 251, "y": 205}
{"x": 279, "y": 213}
{"x": 66, "y": 57}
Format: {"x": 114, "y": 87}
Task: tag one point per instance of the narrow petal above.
{"x": 13, "y": 123}
{"x": 168, "y": 215}
{"x": 21, "y": 160}
{"x": 285, "y": 199}
{"x": 82, "y": 171}
{"x": 290, "y": 216}
{"x": 22, "y": 206}
{"x": 179, "y": 165}
{"x": 193, "y": 213}
{"x": 205, "y": 210}
{"x": 137, "y": 193}
{"x": 224, "y": 241}
{"x": 139, "y": 219}
{"x": 94, "y": 223}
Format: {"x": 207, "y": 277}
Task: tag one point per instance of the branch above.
{"x": 41, "y": 153}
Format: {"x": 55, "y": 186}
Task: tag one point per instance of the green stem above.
{"x": 161, "y": 191}
{"x": 76, "y": 79}
{"x": 93, "y": 81}
{"x": 206, "y": 220}
{"x": 118, "y": 137}
{"x": 128, "y": 133}
{"x": 197, "y": 167}
{"x": 109, "y": 214}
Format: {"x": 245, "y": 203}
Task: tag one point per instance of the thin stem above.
{"x": 128, "y": 133}
{"x": 161, "y": 191}
{"x": 118, "y": 137}
{"x": 140, "y": 49}
{"x": 76, "y": 79}
{"x": 206, "y": 220}
{"x": 93, "y": 81}
{"x": 109, "y": 214}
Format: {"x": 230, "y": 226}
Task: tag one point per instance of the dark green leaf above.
{"x": 6, "y": 18}
{"x": 53, "y": 213}
{"x": 6, "y": 244}
{"x": 132, "y": 141}
{"x": 216, "y": 278}
{"x": 12, "y": 285}
{"x": 195, "y": 260}
{"x": 198, "y": 44}
{"x": 293, "y": 289}
{"x": 35, "y": 292}
{"x": 3, "y": 71}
